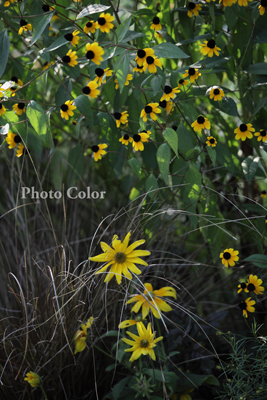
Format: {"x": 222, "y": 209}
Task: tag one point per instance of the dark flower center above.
{"x": 191, "y": 5}
{"x": 46, "y": 63}
{"x": 163, "y": 104}
{"x": 66, "y": 59}
{"x": 144, "y": 343}
{"x": 243, "y": 285}
{"x": 211, "y": 44}
{"x": 14, "y": 79}
{"x": 263, "y": 132}
{"x": 156, "y": 20}
{"x": 68, "y": 36}
{"x": 263, "y": 192}
{"x": 226, "y": 255}
{"x": 148, "y": 109}
{"x": 138, "y": 66}
{"x": 117, "y": 115}
{"x": 64, "y": 107}
{"x": 126, "y": 136}
{"x": 264, "y": 3}
{"x": 86, "y": 90}
{"x": 243, "y": 127}
{"x": 21, "y": 106}
{"x": 200, "y": 120}
{"x": 251, "y": 287}
{"x": 143, "y": 131}
{"x": 191, "y": 71}
{"x": 99, "y": 72}
{"x": 22, "y": 22}
{"x": 174, "y": 127}
{"x": 120, "y": 257}
{"x": 212, "y": 141}
{"x": 141, "y": 53}
{"x": 181, "y": 81}
{"x": 136, "y": 138}
{"x": 150, "y": 60}
{"x": 13, "y": 88}
{"x": 89, "y": 24}
{"x": 1, "y": 106}
{"x": 45, "y": 7}
{"x": 90, "y": 55}
{"x": 242, "y": 305}
{"x": 216, "y": 91}
{"x": 17, "y": 139}
{"x": 74, "y": 123}
{"x": 167, "y": 89}
{"x": 101, "y": 21}
{"x": 95, "y": 148}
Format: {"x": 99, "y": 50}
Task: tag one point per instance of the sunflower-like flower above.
{"x": 242, "y": 286}
{"x": 66, "y": 109}
{"x": 91, "y": 90}
{"x": 121, "y": 118}
{"x": 33, "y": 379}
{"x": 138, "y": 68}
{"x": 94, "y": 52}
{"x": 151, "y": 300}
{"x": 19, "y": 108}
{"x": 228, "y": 3}
{"x": 126, "y": 139}
{"x": 121, "y": 257}
{"x": 24, "y": 26}
{"x": 8, "y": 2}
{"x": 193, "y": 9}
{"x": 247, "y": 306}
{"x": 229, "y": 257}
{"x": 90, "y": 26}
{"x": 169, "y": 93}
{"x": 138, "y": 140}
{"x": 151, "y": 63}
{"x": 21, "y": 150}
{"x": 244, "y": 131}
{"x": 12, "y": 140}
{"x": 47, "y": 65}
{"x": 152, "y": 110}
{"x": 216, "y": 93}
{"x": 99, "y": 151}
{"x": 81, "y": 335}
{"x": 47, "y": 8}
{"x": 167, "y": 105}
{"x": 142, "y": 54}
{"x": 104, "y": 22}
{"x": 243, "y": 3}
{"x": 146, "y": 132}
{"x": 254, "y": 285}
{"x": 192, "y": 73}
{"x": 16, "y": 80}
{"x": 262, "y": 6}
{"x": 211, "y": 141}
{"x": 130, "y": 322}
{"x": 70, "y": 58}
{"x": 209, "y": 48}
{"x": 200, "y": 123}
{"x": 262, "y": 134}
{"x": 142, "y": 344}
{"x": 127, "y": 82}
{"x": 155, "y": 24}
{"x": 2, "y": 109}
{"x": 73, "y": 38}
{"x": 100, "y": 73}
{"x": 263, "y": 194}
{"x": 182, "y": 82}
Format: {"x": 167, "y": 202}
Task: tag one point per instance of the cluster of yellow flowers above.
{"x": 194, "y": 8}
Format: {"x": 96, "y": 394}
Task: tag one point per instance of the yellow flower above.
{"x": 2, "y": 91}
{"x": 192, "y": 73}
{"x": 216, "y": 93}
{"x": 91, "y": 90}
{"x": 12, "y": 140}
{"x": 47, "y": 65}
{"x": 104, "y": 22}
{"x": 200, "y": 123}
{"x": 229, "y": 257}
{"x": 150, "y": 109}
{"x": 33, "y": 379}
{"x": 2, "y": 109}
{"x": 151, "y": 63}
{"x": 151, "y": 300}
{"x": 211, "y": 141}
{"x": 7, "y": 3}
{"x": 66, "y": 109}
{"x": 209, "y": 48}
{"x": 16, "y": 80}
{"x": 182, "y": 82}
{"x": 169, "y": 106}
{"x": 263, "y": 194}
{"x": 142, "y": 54}
{"x": 169, "y": 93}
{"x": 262, "y": 6}
{"x": 246, "y": 306}
{"x": 228, "y": 3}
{"x": 130, "y": 322}
{"x": 19, "y": 108}
{"x": 142, "y": 344}
{"x": 242, "y": 286}
{"x": 262, "y": 135}
{"x": 126, "y": 139}
{"x": 193, "y": 9}
{"x": 90, "y": 26}
{"x": 47, "y": 8}
{"x": 155, "y": 24}
{"x": 243, "y": 3}
{"x": 81, "y": 335}
{"x": 70, "y": 58}
{"x": 24, "y": 26}
{"x": 244, "y": 131}
{"x": 73, "y": 38}
{"x": 21, "y": 150}
{"x": 94, "y": 52}
{"x": 121, "y": 118}
{"x": 121, "y": 257}
{"x": 139, "y": 68}
{"x": 128, "y": 79}
{"x": 100, "y": 73}
{"x": 99, "y": 151}
{"x": 254, "y": 285}
{"x": 138, "y": 140}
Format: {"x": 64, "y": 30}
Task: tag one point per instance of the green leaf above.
{"x": 131, "y": 35}
{"x": 162, "y": 376}
{"x": 84, "y": 106}
{"x": 163, "y": 158}
{"x": 156, "y": 83}
{"x": 92, "y": 9}
{"x": 184, "y": 138}
{"x": 231, "y": 17}
{"x": 60, "y": 41}
{"x": 123, "y": 29}
{"x": 36, "y": 116}
{"x": 172, "y": 138}
{"x": 118, "y": 388}
{"x": 151, "y": 185}
{"x": 169, "y": 50}
{"x": 4, "y": 50}
{"x": 259, "y": 260}
{"x": 121, "y": 69}
{"x": 224, "y": 157}
{"x": 198, "y": 380}
{"x": 212, "y": 153}
{"x": 40, "y": 25}
{"x": 250, "y": 166}
{"x": 260, "y": 105}
{"x": 260, "y": 69}
{"x": 226, "y": 105}
{"x": 135, "y": 166}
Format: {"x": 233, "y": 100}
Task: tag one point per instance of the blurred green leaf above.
{"x": 163, "y": 159}
{"x": 84, "y": 106}
{"x": 151, "y": 185}
{"x": 92, "y": 9}
{"x": 121, "y": 69}
{"x": 4, "y": 50}
{"x": 123, "y": 29}
{"x": 135, "y": 166}
{"x": 169, "y": 50}
{"x": 36, "y": 116}
{"x": 259, "y": 260}
{"x": 172, "y": 138}
{"x": 39, "y": 26}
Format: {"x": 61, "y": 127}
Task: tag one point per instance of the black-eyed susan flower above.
{"x": 262, "y": 6}
{"x": 2, "y": 91}
{"x": 98, "y": 150}
{"x": 142, "y": 54}
{"x": 169, "y": 93}
{"x": 74, "y": 123}
{"x": 175, "y": 127}
{"x": 244, "y": 131}
{"x": 265, "y": 219}
{"x": 90, "y": 26}
{"x": 139, "y": 68}
{"x": 21, "y": 150}
{"x": 192, "y": 73}
{"x": 228, "y": 3}
{"x": 126, "y": 139}
{"x": 168, "y": 105}
{"x": 47, "y": 8}
{"x": 121, "y": 257}
{"x": 241, "y": 286}
{"x": 151, "y": 109}
{"x": 247, "y": 306}
{"x": 13, "y": 90}
{"x": 211, "y": 141}
{"x": 216, "y": 93}
{"x": 152, "y": 300}
{"x": 73, "y": 38}
{"x": 2, "y": 109}
{"x": 12, "y": 140}
{"x": 138, "y": 140}
{"x": 91, "y": 90}
{"x": 243, "y": 3}
{"x": 121, "y": 118}
{"x": 155, "y": 24}
{"x": 142, "y": 344}
{"x": 33, "y": 379}
{"x": 147, "y": 132}
{"x": 193, "y": 9}
{"x": 70, "y": 58}
{"x": 94, "y": 52}
{"x": 151, "y": 63}
{"x": 263, "y": 194}
{"x": 200, "y": 123}
{"x": 8, "y": 2}
{"x": 81, "y": 335}
{"x": 100, "y": 73}
{"x": 209, "y": 48}
{"x": 104, "y": 22}
{"x": 19, "y": 108}
{"x": 47, "y": 65}
{"x": 66, "y": 109}
{"x": 254, "y": 285}
{"x": 24, "y": 26}
{"x": 182, "y": 82}
{"x": 130, "y": 322}
{"x": 127, "y": 82}
{"x": 16, "y": 80}
{"x": 229, "y": 257}
{"x": 262, "y": 135}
